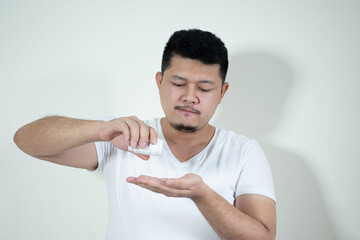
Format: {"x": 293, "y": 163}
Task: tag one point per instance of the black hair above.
{"x": 198, "y": 45}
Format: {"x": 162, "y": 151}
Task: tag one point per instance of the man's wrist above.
{"x": 95, "y": 129}
{"x": 203, "y": 195}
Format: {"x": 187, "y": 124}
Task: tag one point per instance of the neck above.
{"x": 185, "y": 145}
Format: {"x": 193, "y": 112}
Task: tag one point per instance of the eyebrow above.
{"x": 185, "y": 79}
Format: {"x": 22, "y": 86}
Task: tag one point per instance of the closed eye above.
{"x": 204, "y": 90}
{"x": 177, "y": 85}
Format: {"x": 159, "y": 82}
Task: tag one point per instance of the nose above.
{"x": 189, "y": 96}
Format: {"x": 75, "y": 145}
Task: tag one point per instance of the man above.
{"x": 208, "y": 183}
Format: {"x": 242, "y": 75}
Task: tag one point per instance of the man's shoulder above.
{"x": 229, "y": 135}
{"x": 232, "y": 141}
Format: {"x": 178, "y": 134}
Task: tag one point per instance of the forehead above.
{"x": 193, "y": 69}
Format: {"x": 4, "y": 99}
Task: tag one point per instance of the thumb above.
{"x": 142, "y": 156}
{"x": 178, "y": 183}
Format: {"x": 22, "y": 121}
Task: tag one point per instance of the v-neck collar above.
{"x": 193, "y": 160}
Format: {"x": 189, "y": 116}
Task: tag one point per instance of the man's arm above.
{"x": 252, "y": 217}
{"x": 70, "y": 142}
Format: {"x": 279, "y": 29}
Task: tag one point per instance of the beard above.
{"x": 182, "y": 128}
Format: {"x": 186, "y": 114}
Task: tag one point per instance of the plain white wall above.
{"x": 294, "y": 85}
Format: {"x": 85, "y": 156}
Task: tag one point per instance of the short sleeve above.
{"x": 103, "y": 150}
{"x": 255, "y": 176}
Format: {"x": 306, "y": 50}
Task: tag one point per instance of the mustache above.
{"x": 188, "y": 108}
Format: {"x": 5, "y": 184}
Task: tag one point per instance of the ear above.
{"x": 158, "y": 78}
{"x": 224, "y": 88}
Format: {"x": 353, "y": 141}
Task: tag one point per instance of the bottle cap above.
{"x": 158, "y": 147}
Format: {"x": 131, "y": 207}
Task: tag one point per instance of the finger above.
{"x": 139, "y": 155}
{"x": 177, "y": 183}
{"x": 135, "y": 118}
{"x": 133, "y": 126}
{"x": 118, "y": 133}
{"x": 124, "y": 128}
{"x": 142, "y": 179}
{"x": 142, "y": 156}
{"x": 158, "y": 185}
{"x": 121, "y": 126}
{"x": 170, "y": 182}
{"x": 163, "y": 189}
{"x": 153, "y": 135}
{"x": 155, "y": 185}
{"x": 131, "y": 180}
{"x": 185, "y": 182}
{"x": 144, "y": 135}
{"x": 155, "y": 189}
{"x": 148, "y": 179}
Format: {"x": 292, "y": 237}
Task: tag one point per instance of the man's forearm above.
{"x": 254, "y": 216}
{"x": 228, "y": 221}
{"x": 53, "y": 135}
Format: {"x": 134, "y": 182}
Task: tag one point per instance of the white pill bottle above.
{"x": 151, "y": 149}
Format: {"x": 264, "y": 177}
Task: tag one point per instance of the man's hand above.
{"x": 128, "y": 131}
{"x": 191, "y": 185}
{"x": 252, "y": 218}
{"x": 70, "y": 142}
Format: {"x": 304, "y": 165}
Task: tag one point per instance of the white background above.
{"x": 294, "y": 85}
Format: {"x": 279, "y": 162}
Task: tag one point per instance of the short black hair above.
{"x": 198, "y": 45}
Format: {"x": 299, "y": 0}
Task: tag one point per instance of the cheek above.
{"x": 167, "y": 96}
{"x": 211, "y": 100}
{"x": 211, "y": 105}
{"x": 171, "y": 93}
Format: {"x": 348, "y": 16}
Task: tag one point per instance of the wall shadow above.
{"x": 259, "y": 86}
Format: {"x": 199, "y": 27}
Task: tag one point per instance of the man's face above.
{"x": 190, "y": 91}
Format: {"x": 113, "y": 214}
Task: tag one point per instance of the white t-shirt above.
{"x": 230, "y": 164}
